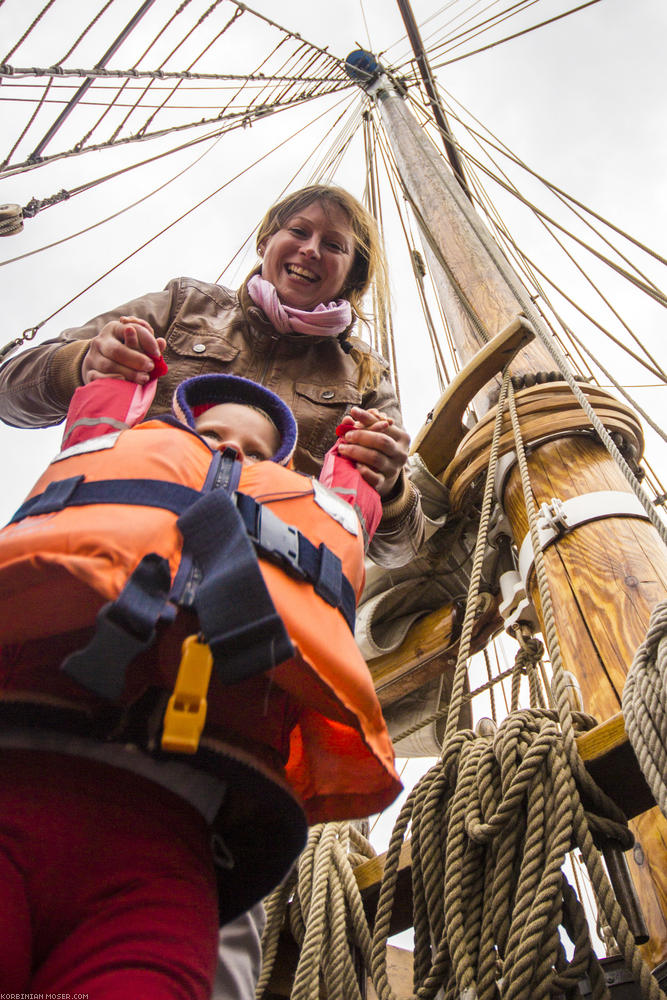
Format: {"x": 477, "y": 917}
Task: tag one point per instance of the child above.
{"x": 122, "y": 801}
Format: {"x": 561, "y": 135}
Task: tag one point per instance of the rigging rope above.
{"x": 31, "y": 332}
{"x": 382, "y": 306}
{"x": 179, "y": 10}
{"x": 30, "y": 28}
{"x": 480, "y": 27}
{"x": 242, "y": 118}
{"x": 235, "y": 16}
{"x": 592, "y": 859}
{"x": 647, "y": 287}
{"x": 565, "y": 196}
{"x": 517, "y": 34}
{"x": 316, "y": 72}
{"x": 492, "y": 822}
{"x": 654, "y": 367}
{"x": 400, "y": 60}
{"x": 327, "y": 905}
{"x": 292, "y": 180}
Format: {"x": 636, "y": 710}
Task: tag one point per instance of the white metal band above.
{"x": 562, "y": 516}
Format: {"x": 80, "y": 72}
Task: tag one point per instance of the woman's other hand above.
{"x": 124, "y": 348}
{"x": 376, "y": 445}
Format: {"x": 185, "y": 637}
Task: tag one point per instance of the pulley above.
{"x": 11, "y": 219}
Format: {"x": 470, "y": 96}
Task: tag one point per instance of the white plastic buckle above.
{"x": 553, "y": 515}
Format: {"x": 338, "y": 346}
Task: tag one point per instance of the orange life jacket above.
{"x": 59, "y": 568}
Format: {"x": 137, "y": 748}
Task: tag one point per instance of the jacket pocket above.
{"x": 319, "y": 407}
{"x": 200, "y": 347}
{"x": 190, "y": 354}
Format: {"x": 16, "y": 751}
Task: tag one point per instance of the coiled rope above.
{"x": 326, "y": 917}
{"x": 490, "y": 825}
{"x": 645, "y": 705}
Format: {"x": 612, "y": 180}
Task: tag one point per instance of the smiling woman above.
{"x": 309, "y": 259}
{"x": 289, "y": 327}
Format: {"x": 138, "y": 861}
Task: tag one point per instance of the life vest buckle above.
{"x": 279, "y": 541}
{"x": 185, "y": 715}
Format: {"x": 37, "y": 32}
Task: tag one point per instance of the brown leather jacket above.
{"x": 209, "y": 328}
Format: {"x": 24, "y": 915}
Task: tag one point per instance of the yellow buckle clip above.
{"x": 186, "y": 712}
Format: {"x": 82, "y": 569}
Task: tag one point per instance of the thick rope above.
{"x": 604, "y": 436}
{"x": 645, "y": 705}
{"x": 492, "y": 822}
{"x": 591, "y": 855}
{"x": 490, "y": 826}
{"x": 326, "y": 915}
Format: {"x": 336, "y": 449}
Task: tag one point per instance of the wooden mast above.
{"x": 607, "y": 574}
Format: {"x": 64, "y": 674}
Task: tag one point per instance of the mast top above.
{"x": 362, "y": 67}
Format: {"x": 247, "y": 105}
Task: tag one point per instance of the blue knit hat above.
{"x": 203, "y": 391}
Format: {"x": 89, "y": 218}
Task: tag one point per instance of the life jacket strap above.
{"x": 74, "y": 492}
{"x": 292, "y": 551}
{"x": 125, "y": 627}
{"x": 236, "y": 612}
{"x": 274, "y": 539}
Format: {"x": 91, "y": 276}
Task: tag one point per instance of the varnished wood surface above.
{"x": 427, "y": 639}
{"x": 612, "y": 762}
{"x": 606, "y": 577}
{"x": 471, "y": 282}
{"x": 545, "y": 411}
{"x": 429, "y": 649}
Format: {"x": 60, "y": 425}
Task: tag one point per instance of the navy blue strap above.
{"x": 125, "y": 627}
{"x": 292, "y": 551}
{"x": 75, "y": 492}
{"x": 236, "y": 614}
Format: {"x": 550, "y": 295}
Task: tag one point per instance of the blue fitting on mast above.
{"x": 362, "y": 67}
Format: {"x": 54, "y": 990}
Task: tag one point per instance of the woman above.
{"x": 288, "y": 328}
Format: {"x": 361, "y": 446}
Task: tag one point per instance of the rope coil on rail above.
{"x": 490, "y": 825}
{"x": 645, "y": 705}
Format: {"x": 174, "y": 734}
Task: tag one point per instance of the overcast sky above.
{"x": 581, "y": 101}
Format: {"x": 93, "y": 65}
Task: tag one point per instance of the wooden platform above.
{"x": 611, "y": 760}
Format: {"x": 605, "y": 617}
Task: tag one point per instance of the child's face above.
{"x": 247, "y": 431}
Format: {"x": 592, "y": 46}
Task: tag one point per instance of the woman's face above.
{"x": 309, "y": 259}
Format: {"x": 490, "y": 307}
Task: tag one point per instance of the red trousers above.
{"x": 106, "y": 883}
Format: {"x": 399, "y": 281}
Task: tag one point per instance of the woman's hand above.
{"x": 377, "y": 446}
{"x": 124, "y": 348}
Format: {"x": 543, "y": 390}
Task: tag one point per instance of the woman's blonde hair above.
{"x": 369, "y": 260}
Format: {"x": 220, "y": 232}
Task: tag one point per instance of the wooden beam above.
{"x": 439, "y": 438}
{"x": 430, "y": 649}
{"x": 610, "y": 759}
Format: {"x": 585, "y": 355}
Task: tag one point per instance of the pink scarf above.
{"x": 325, "y": 320}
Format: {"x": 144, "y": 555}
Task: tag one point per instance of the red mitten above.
{"x": 159, "y": 368}
{"x": 342, "y": 476}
